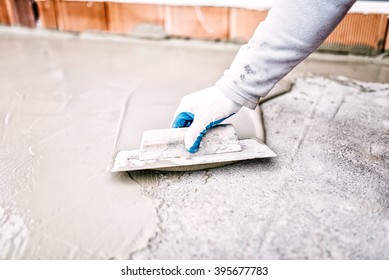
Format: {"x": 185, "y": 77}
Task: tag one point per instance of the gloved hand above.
{"x": 200, "y": 111}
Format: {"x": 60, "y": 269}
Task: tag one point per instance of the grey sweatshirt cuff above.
{"x": 291, "y": 31}
{"x": 238, "y": 97}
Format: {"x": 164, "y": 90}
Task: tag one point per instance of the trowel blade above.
{"x": 169, "y": 143}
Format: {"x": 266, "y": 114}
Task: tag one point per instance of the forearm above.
{"x": 292, "y": 30}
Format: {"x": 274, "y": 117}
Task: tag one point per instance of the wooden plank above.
{"x": 17, "y": 12}
{"x": 25, "y": 13}
{"x": 47, "y": 16}
{"x": 4, "y": 15}
{"x": 81, "y": 16}
{"x": 386, "y": 45}
{"x": 123, "y": 17}
{"x": 244, "y": 22}
{"x": 197, "y": 22}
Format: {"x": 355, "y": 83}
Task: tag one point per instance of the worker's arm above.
{"x": 292, "y": 30}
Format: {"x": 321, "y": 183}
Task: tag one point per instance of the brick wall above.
{"x": 17, "y": 12}
{"x": 357, "y": 33}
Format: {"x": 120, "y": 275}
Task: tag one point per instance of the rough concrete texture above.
{"x": 325, "y": 195}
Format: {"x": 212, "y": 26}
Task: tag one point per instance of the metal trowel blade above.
{"x": 169, "y": 143}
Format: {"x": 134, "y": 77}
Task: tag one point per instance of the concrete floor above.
{"x": 326, "y": 195}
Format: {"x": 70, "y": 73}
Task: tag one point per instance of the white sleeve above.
{"x": 292, "y": 30}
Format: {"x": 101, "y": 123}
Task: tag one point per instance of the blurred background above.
{"x": 363, "y": 31}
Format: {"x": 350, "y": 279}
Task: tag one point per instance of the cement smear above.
{"x": 325, "y": 196}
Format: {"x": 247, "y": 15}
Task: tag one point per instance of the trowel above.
{"x": 163, "y": 149}
{"x": 143, "y": 142}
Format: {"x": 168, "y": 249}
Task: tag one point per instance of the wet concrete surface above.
{"x": 324, "y": 197}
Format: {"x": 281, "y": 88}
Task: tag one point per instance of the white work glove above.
{"x": 200, "y": 111}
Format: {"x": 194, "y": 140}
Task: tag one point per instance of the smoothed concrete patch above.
{"x": 59, "y": 110}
